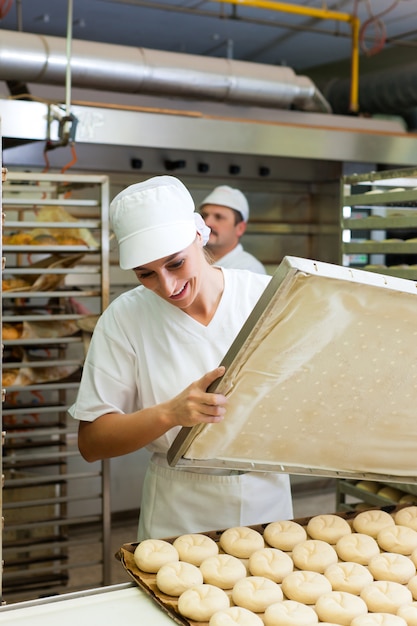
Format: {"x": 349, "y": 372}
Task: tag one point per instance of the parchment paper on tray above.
{"x": 322, "y": 379}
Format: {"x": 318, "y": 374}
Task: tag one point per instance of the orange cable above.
{"x": 73, "y": 160}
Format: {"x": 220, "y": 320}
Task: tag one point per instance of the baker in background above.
{"x": 226, "y": 212}
{"x": 154, "y": 352}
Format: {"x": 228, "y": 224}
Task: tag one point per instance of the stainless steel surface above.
{"x": 292, "y": 136}
{"x": 107, "y": 606}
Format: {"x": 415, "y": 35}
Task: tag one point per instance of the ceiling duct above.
{"x": 388, "y": 92}
{"x": 31, "y": 58}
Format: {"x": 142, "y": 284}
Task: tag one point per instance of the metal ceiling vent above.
{"x": 31, "y": 58}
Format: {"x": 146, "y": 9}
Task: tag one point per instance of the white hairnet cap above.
{"x": 151, "y": 220}
{"x": 228, "y": 197}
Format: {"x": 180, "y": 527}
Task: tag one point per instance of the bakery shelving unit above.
{"x": 3, "y": 178}
{"x": 352, "y": 495}
{"x": 55, "y": 285}
{"x": 379, "y": 222}
{"x": 378, "y": 213}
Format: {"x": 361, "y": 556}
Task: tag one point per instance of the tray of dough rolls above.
{"x": 321, "y": 380}
{"x": 352, "y": 569}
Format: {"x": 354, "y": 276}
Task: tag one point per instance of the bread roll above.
{"x": 314, "y": 555}
{"x": 271, "y": 563}
{"x": 151, "y": 554}
{"x": 284, "y": 535}
{"x": 305, "y": 586}
{"x": 174, "y": 578}
{"x": 256, "y": 593}
{"x": 368, "y": 485}
{"x": 391, "y": 493}
{"x": 235, "y": 616}
{"x": 11, "y": 331}
{"x": 408, "y": 498}
{"x": 361, "y": 506}
{"x": 383, "y": 596}
{"x": 348, "y": 576}
{"x": 412, "y": 586}
{"x": 9, "y": 377}
{"x": 407, "y": 517}
{"x": 398, "y": 539}
{"x": 409, "y": 613}
{"x": 372, "y": 521}
{"x": 194, "y": 548}
{"x": 390, "y": 566}
{"x": 378, "y": 619}
{"x": 201, "y": 602}
{"x": 413, "y": 557}
{"x": 290, "y": 613}
{"x": 222, "y": 570}
{"x": 328, "y": 528}
{"x": 241, "y": 541}
{"x": 340, "y": 607}
{"x": 357, "y": 548}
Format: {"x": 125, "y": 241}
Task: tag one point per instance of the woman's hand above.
{"x": 195, "y": 405}
{"x": 115, "y": 434}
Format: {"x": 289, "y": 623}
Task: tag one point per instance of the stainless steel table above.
{"x": 106, "y": 606}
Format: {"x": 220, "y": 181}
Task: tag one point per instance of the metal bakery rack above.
{"x": 56, "y": 243}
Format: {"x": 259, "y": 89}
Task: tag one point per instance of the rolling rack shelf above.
{"x": 378, "y": 217}
{"x": 379, "y": 222}
{"x": 55, "y": 243}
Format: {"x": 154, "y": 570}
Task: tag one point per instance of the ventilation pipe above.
{"x": 31, "y": 58}
{"x": 388, "y": 92}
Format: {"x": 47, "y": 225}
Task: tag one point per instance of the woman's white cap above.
{"x": 230, "y": 198}
{"x": 151, "y": 220}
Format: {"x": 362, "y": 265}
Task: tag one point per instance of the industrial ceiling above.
{"x": 267, "y": 32}
{"x": 353, "y": 58}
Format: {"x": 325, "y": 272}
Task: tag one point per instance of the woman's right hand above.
{"x": 115, "y": 434}
{"x": 195, "y": 405}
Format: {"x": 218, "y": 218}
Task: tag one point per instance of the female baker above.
{"x": 154, "y": 352}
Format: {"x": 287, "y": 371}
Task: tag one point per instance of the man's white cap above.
{"x": 228, "y": 197}
{"x": 151, "y": 220}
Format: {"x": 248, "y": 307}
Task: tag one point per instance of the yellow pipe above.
{"x": 321, "y": 14}
{"x": 354, "y": 70}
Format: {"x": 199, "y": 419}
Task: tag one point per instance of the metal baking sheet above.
{"x": 147, "y": 582}
{"x": 321, "y": 380}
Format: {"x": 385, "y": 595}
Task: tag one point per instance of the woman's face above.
{"x": 175, "y": 278}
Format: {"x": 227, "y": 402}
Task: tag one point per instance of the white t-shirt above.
{"x": 238, "y": 258}
{"x": 144, "y": 351}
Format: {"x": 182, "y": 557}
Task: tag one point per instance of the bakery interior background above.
{"x": 291, "y": 177}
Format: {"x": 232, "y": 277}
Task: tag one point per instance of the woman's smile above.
{"x": 178, "y": 294}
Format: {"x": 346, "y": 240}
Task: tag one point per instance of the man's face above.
{"x": 225, "y": 233}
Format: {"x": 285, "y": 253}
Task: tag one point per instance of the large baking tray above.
{"x": 321, "y": 380}
{"x": 147, "y": 582}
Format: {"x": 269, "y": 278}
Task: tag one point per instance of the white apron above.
{"x": 177, "y": 501}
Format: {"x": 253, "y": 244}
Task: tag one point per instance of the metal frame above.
{"x": 227, "y": 445}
